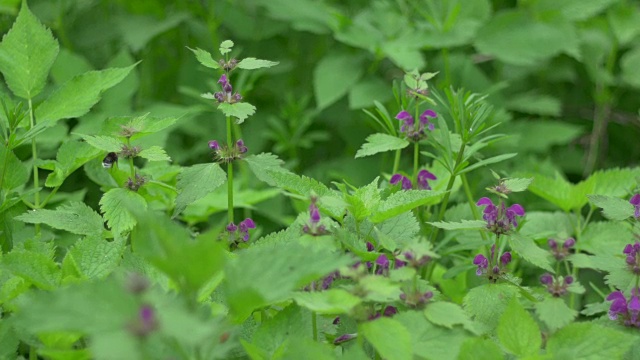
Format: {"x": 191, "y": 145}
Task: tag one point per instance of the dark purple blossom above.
{"x": 370, "y": 247}
{"x": 226, "y": 95}
{"x": 561, "y": 252}
{"x": 313, "y": 228}
{"x": 406, "y": 183}
{"x": 423, "y": 177}
{"x": 409, "y": 128}
{"x": 344, "y": 338}
{"x": 505, "y": 259}
{"x": 145, "y": 323}
{"x": 635, "y": 201}
{"x": 500, "y": 219}
{"x": 240, "y": 232}
{"x": 556, "y": 286}
{"x": 227, "y": 154}
{"x": 627, "y": 312}
{"x": 482, "y": 263}
{"x": 633, "y": 257}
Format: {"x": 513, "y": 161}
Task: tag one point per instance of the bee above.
{"x": 109, "y": 160}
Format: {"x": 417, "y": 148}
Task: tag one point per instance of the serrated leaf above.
{"x": 555, "y": 313}
{"x": 76, "y": 96}
{"x": 390, "y": 338}
{"x": 434, "y": 341}
{"x": 378, "y": 143}
{"x": 74, "y": 217}
{"x": 14, "y": 172}
{"x": 332, "y": 301}
{"x": 334, "y": 75}
{"x": 205, "y": 58}
{"x": 253, "y": 63}
{"x": 480, "y": 349}
{"x": 447, "y": 314}
{"x": 528, "y": 250}
{"x": 613, "y": 208}
{"x": 517, "y": 330}
{"x": 95, "y": 257}
{"x": 71, "y": 156}
{"x": 560, "y": 192}
{"x": 241, "y": 111}
{"x": 402, "y": 201}
{"x": 262, "y": 164}
{"x": 27, "y": 53}
{"x": 614, "y": 182}
{"x": 154, "y": 153}
{"x": 399, "y": 229}
{"x": 114, "y": 205}
{"x": 463, "y": 225}
{"x": 106, "y": 143}
{"x": 195, "y": 182}
{"x": 487, "y": 302}
{"x": 589, "y": 341}
{"x": 518, "y": 185}
{"x": 605, "y": 238}
{"x": 37, "y": 268}
{"x": 226, "y": 46}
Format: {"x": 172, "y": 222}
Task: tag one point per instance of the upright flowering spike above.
{"x": 226, "y": 95}
{"x": 409, "y": 128}
{"x": 406, "y": 183}
{"x": 423, "y": 177}
{"x": 500, "y": 220}
{"x": 635, "y": 201}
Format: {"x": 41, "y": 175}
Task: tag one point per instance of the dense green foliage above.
{"x": 391, "y": 179}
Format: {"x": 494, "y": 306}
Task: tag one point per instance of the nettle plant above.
{"x": 411, "y": 266}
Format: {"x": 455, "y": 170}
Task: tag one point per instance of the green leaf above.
{"x": 13, "y": 173}
{"x": 332, "y": 301}
{"x": 37, "y": 268}
{"x": 367, "y": 91}
{"x": 106, "y": 143}
{"x": 402, "y": 201}
{"x": 137, "y": 30}
{"x": 195, "y": 182}
{"x": 528, "y": 250}
{"x": 241, "y": 111}
{"x": 378, "y": 143}
{"x": 205, "y": 58}
{"x": 623, "y": 19}
{"x": 561, "y": 193}
{"x": 518, "y": 185}
{"x": 491, "y": 160}
{"x": 480, "y": 349}
{"x": 334, "y": 76}
{"x": 614, "y": 182}
{"x": 253, "y": 63}
{"x": 94, "y": 257}
{"x": 434, "y": 341}
{"x": 447, "y": 314}
{"x": 517, "y": 330}
{"x": 154, "y": 153}
{"x": 226, "y": 46}
{"x": 575, "y": 10}
{"x": 390, "y": 338}
{"x": 536, "y": 104}
{"x": 589, "y": 341}
{"x": 399, "y": 229}
{"x": 463, "y": 225}
{"x": 555, "y": 313}
{"x": 605, "y": 238}
{"x": 487, "y": 302}
{"x": 613, "y": 208}
{"x": 263, "y": 164}
{"x": 74, "y": 217}
{"x": 71, "y": 156}
{"x": 27, "y": 53}
{"x": 9, "y": 340}
{"x": 76, "y": 96}
{"x": 114, "y": 205}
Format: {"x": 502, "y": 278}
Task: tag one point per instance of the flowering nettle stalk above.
{"x": 314, "y": 228}
{"x": 224, "y": 154}
{"x": 145, "y": 323}
{"x": 633, "y": 257}
{"x": 556, "y": 286}
{"x": 625, "y": 311}
{"x": 423, "y": 180}
{"x": 226, "y": 95}
{"x": 491, "y": 267}
{"x": 500, "y": 219}
{"x": 416, "y": 132}
{"x": 561, "y": 252}
{"x": 240, "y": 233}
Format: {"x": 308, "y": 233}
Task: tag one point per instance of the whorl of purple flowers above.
{"x": 423, "y": 180}
{"x": 416, "y": 132}
{"x": 500, "y": 219}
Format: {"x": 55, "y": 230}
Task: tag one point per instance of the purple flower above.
{"x": 424, "y": 119}
{"x": 370, "y": 247}
{"x": 627, "y": 312}
{"x": 145, "y": 323}
{"x": 500, "y": 220}
{"x": 554, "y": 286}
{"x": 389, "y": 311}
{"x": 344, "y": 338}
{"x": 552, "y": 243}
{"x": 423, "y": 177}
{"x": 213, "y": 145}
{"x": 312, "y": 228}
{"x": 569, "y": 243}
{"x": 561, "y": 252}
{"x": 232, "y": 228}
{"x": 409, "y": 128}
{"x": 482, "y": 262}
{"x": 633, "y": 257}
{"x": 383, "y": 261}
{"x": 505, "y": 259}
{"x": 635, "y": 201}
{"x": 226, "y": 95}
{"x": 546, "y": 279}
{"x": 406, "y": 183}
{"x": 240, "y": 147}
{"x": 244, "y": 227}
{"x": 618, "y": 306}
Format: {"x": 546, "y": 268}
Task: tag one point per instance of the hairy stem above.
{"x": 396, "y": 161}
{"x": 445, "y": 201}
{"x": 229, "y": 172}
{"x": 416, "y": 156}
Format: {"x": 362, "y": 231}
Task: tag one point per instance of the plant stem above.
{"x": 34, "y": 153}
{"x": 314, "y": 325}
{"x": 229, "y": 172}
{"x": 396, "y": 161}
{"x": 416, "y": 156}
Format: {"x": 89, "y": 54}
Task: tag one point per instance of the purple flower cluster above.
{"x": 556, "y": 286}
{"x": 500, "y": 219}
{"x": 145, "y": 323}
{"x": 625, "y": 311}
{"x": 416, "y": 299}
{"x": 635, "y": 201}
{"x": 633, "y": 257}
{"x": 561, "y": 252}
{"x": 225, "y": 154}
{"x": 485, "y": 266}
{"x": 226, "y": 95}
{"x": 416, "y": 132}
{"x": 240, "y": 232}
{"x": 314, "y": 228}
{"x": 423, "y": 180}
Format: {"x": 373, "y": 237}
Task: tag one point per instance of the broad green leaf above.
{"x": 367, "y": 91}
{"x": 304, "y": 15}
{"x": 74, "y": 217}
{"x": 575, "y": 10}
{"x": 13, "y": 173}
{"x": 389, "y": 337}
{"x": 154, "y": 153}
{"x": 614, "y": 182}
{"x": 71, "y": 155}
{"x": 363, "y": 200}
{"x": 253, "y": 63}
{"x": 517, "y": 330}
{"x": 95, "y": 257}
{"x": 226, "y": 46}
{"x": 240, "y": 111}
{"x": 334, "y": 76}
{"x": 37, "y": 268}
{"x": 561, "y": 193}
{"x": 605, "y": 238}
{"x": 528, "y": 250}
{"x": 520, "y": 38}
{"x": 480, "y": 349}
{"x": 536, "y": 104}
{"x": 547, "y": 224}
{"x": 463, "y": 225}
{"x": 486, "y": 303}
{"x": 27, "y": 52}
{"x": 378, "y": 143}
{"x": 380, "y": 288}
{"x": 451, "y": 24}
{"x": 555, "y": 313}
{"x": 205, "y": 58}
{"x": 9, "y": 340}
{"x": 435, "y": 341}
{"x": 276, "y": 334}
{"x": 613, "y": 208}
{"x": 447, "y": 314}
{"x": 106, "y": 143}
{"x": 402, "y": 201}
{"x": 262, "y": 164}
{"x": 138, "y": 30}
{"x": 76, "y": 97}
{"x": 195, "y": 182}
{"x": 623, "y": 19}
{"x": 332, "y": 301}
{"x": 114, "y": 205}
{"x": 399, "y": 229}
{"x": 589, "y": 341}
{"x": 517, "y": 185}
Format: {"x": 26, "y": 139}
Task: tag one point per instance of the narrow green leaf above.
{"x": 517, "y": 330}
{"x": 378, "y": 143}
{"x": 114, "y": 205}
{"x": 390, "y": 338}
{"x": 76, "y": 97}
{"x": 528, "y": 250}
{"x": 74, "y": 217}
{"x": 253, "y": 63}
{"x": 154, "y": 153}
{"x": 205, "y": 58}
{"x": 13, "y": 173}
{"x": 240, "y": 111}
{"x": 491, "y": 160}
{"x": 195, "y": 182}
{"x": 27, "y": 53}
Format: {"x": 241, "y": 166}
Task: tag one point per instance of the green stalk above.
{"x": 34, "y": 153}
{"x": 396, "y": 161}
{"x": 314, "y": 325}
{"x": 133, "y": 169}
{"x": 416, "y": 156}
{"x": 229, "y": 172}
